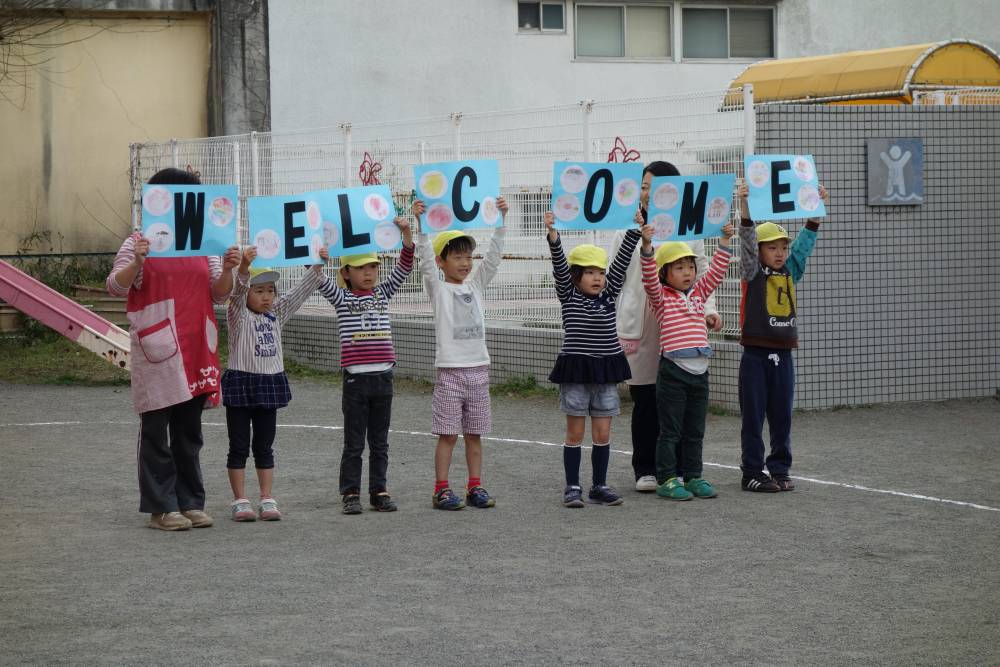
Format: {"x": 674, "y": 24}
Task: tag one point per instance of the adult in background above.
{"x": 175, "y": 365}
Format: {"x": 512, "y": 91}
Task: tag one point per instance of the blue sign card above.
{"x": 783, "y": 187}
{"x": 459, "y": 195}
{"x": 290, "y": 230}
{"x": 685, "y": 208}
{"x": 189, "y": 220}
{"x": 595, "y": 195}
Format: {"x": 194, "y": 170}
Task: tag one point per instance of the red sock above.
{"x": 473, "y": 482}
{"x": 440, "y": 485}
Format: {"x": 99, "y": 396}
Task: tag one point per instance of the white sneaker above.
{"x": 645, "y": 484}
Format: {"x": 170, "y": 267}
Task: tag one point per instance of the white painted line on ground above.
{"x": 521, "y": 441}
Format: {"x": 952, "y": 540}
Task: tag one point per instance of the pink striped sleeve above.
{"x": 709, "y": 282}
{"x": 125, "y": 256}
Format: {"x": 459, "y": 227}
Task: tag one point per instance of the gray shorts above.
{"x": 594, "y": 400}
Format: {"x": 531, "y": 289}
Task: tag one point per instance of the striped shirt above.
{"x": 363, "y": 316}
{"x": 126, "y": 255}
{"x": 682, "y": 315}
{"x": 255, "y": 338}
{"x": 589, "y": 321}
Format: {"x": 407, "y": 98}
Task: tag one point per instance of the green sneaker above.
{"x": 672, "y": 489}
{"x": 700, "y": 488}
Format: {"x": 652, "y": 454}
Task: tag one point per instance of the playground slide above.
{"x": 64, "y": 315}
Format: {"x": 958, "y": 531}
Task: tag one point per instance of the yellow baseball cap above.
{"x": 770, "y": 231}
{"x": 442, "y": 239}
{"x": 363, "y": 259}
{"x": 671, "y": 251}
{"x": 588, "y": 255}
{"x": 263, "y": 275}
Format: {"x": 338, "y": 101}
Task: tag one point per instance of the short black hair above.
{"x": 661, "y": 168}
{"x": 458, "y": 244}
{"x": 174, "y": 176}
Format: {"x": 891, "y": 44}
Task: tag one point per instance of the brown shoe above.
{"x": 198, "y": 518}
{"x": 169, "y": 521}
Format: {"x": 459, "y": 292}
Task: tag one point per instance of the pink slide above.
{"x": 64, "y": 315}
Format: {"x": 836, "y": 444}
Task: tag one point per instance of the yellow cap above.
{"x": 263, "y": 275}
{"x": 770, "y": 231}
{"x": 363, "y": 259}
{"x": 588, "y": 255}
{"x": 671, "y": 251}
{"x": 442, "y": 239}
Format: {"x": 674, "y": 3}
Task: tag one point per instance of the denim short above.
{"x": 594, "y": 400}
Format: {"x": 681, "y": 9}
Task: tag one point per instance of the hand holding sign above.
{"x": 595, "y": 195}
{"x": 783, "y": 187}
{"x": 460, "y": 194}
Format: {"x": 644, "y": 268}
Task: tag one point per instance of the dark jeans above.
{"x": 367, "y": 404}
{"x": 645, "y": 429}
{"x": 238, "y": 423}
{"x": 682, "y": 402}
{"x": 766, "y": 390}
{"x": 169, "y": 467}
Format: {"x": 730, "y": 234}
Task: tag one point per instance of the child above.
{"x": 461, "y": 402}
{"x": 677, "y": 297}
{"x": 367, "y": 358}
{"x": 254, "y": 385}
{"x": 769, "y": 270}
{"x": 591, "y": 362}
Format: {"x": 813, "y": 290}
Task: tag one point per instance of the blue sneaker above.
{"x": 445, "y": 499}
{"x": 604, "y": 495}
{"x": 573, "y": 497}
{"x": 479, "y": 497}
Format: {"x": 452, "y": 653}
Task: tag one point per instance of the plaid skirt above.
{"x": 255, "y": 390}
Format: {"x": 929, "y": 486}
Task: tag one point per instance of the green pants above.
{"x": 681, "y": 403}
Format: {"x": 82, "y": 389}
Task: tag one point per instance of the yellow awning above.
{"x": 894, "y": 72}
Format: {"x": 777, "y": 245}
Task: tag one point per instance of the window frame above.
{"x": 729, "y": 58}
{"x": 541, "y": 18}
{"x": 624, "y": 5}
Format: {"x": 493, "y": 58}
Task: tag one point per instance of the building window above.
{"x": 623, "y": 31}
{"x": 728, "y": 32}
{"x": 541, "y": 17}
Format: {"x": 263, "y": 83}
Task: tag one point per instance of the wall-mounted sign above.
{"x": 895, "y": 172}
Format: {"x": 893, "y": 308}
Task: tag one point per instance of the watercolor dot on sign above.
{"x": 376, "y": 207}
{"x": 573, "y": 179}
{"x": 803, "y": 168}
{"x": 666, "y": 196}
{"x": 387, "y": 235}
{"x": 268, "y": 243}
{"x": 331, "y": 234}
{"x": 220, "y": 211}
{"x": 160, "y": 236}
{"x": 626, "y": 192}
{"x": 566, "y": 207}
{"x": 758, "y": 173}
{"x": 439, "y": 217}
{"x": 808, "y": 198}
{"x": 158, "y": 201}
{"x": 433, "y": 184}
{"x": 663, "y": 226}
{"x": 314, "y": 218}
{"x": 315, "y": 245}
{"x": 489, "y": 211}
{"x": 718, "y": 210}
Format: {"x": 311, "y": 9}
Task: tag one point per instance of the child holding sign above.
{"x": 591, "y": 362}
{"x": 769, "y": 269}
{"x": 461, "y": 402}
{"x": 677, "y": 297}
{"x": 254, "y": 385}
{"x": 367, "y": 357}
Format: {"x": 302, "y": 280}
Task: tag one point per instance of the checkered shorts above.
{"x": 461, "y": 401}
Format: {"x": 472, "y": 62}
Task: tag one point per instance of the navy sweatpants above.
{"x": 767, "y": 386}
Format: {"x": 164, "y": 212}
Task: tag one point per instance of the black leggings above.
{"x": 238, "y": 422}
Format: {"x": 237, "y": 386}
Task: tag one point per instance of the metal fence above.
{"x": 957, "y": 96}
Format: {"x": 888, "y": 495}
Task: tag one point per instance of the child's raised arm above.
{"x": 560, "y": 268}
{"x": 425, "y": 253}
{"x": 706, "y": 285}
{"x": 487, "y": 269}
{"x": 403, "y": 265}
{"x": 647, "y": 262}
{"x": 749, "y": 260}
{"x": 619, "y": 266}
{"x": 804, "y": 242}
{"x": 286, "y": 305}
{"x": 237, "y": 307}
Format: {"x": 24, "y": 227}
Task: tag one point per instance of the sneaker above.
{"x": 382, "y": 502}
{"x": 169, "y": 521}
{"x": 243, "y": 510}
{"x": 603, "y": 495}
{"x": 352, "y": 503}
{"x": 784, "y": 483}
{"x": 198, "y": 518}
{"x": 268, "y": 510}
{"x": 700, "y": 488}
{"x": 759, "y": 483}
{"x": 445, "y": 499}
{"x": 573, "y": 497}
{"x": 672, "y": 489}
{"x": 645, "y": 484}
{"x": 479, "y": 497}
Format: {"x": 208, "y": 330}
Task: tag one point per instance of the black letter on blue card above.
{"x": 693, "y": 209}
{"x": 456, "y": 195}
{"x": 189, "y": 218}
{"x": 292, "y": 231}
{"x": 588, "y": 197}
{"x": 351, "y": 240}
{"x": 778, "y": 189}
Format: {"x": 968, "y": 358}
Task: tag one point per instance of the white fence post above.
{"x": 173, "y": 154}
{"x": 136, "y": 189}
{"x": 254, "y": 165}
{"x": 588, "y": 107}
{"x": 345, "y": 129}
{"x": 423, "y": 152}
{"x": 749, "y": 121}
{"x": 456, "y": 119}
{"x": 240, "y": 195}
